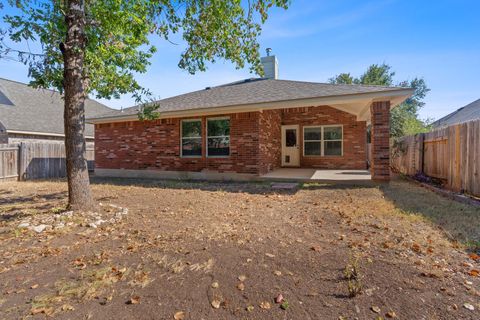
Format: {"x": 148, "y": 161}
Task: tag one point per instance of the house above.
{"x": 29, "y": 114}
{"x": 469, "y": 112}
{"x": 248, "y": 128}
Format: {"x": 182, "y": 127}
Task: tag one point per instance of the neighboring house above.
{"x": 28, "y": 114}
{"x": 469, "y": 112}
{"x": 245, "y": 129}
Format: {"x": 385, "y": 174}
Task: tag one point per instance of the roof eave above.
{"x": 395, "y": 96}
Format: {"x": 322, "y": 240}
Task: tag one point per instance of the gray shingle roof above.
{"x": 469, "y": 112}
{"x": 23, "y": 108}
{"x": 253, "y": 91}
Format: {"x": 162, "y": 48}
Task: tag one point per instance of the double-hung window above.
{"x": 323, "y": 141}
{"x": 312, "y": 141}
{"x": 218, "y": 137}
{"x": 191, "y": 140}
{"x": 332, "y": 140}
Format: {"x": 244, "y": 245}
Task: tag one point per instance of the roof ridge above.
{"x": 26, "y": 84}
{"x": 52, "y": 90}
{"x": 456, "y": 112}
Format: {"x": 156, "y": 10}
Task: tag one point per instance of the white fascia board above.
{"x": 46, "y": 134}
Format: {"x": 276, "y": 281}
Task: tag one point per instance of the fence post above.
{"x": 421, "y": 156}
{"x": 457, "y": 179}
{"x": 21, "y": 161}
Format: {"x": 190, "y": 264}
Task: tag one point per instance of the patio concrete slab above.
{"x": 305, "y": 175}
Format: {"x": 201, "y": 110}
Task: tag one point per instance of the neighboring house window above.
{"x": 191, "y": 141}
{"x": 323, "y": 141}
{"x": 218, "y": 137}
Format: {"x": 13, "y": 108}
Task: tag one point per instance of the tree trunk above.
{"x": 79, "y": 197}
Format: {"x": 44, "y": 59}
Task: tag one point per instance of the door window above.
{"x": 290, "y": 137}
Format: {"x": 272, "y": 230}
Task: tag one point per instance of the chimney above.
{"x": 270, "y": 65}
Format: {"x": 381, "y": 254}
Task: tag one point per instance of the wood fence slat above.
{"x": 36, "y": 160}
{"x": 8, "y": 161}
{"x": 450, "y": 154}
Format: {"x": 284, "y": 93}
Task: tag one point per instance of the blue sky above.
{"x": 315, "y": 40}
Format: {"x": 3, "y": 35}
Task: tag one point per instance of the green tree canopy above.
{"x": 97, "y": 47}
{"x": 404, "y": 118}
{"x": 117, "y": 38}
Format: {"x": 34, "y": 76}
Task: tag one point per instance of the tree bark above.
{"x": 79, "y": 197}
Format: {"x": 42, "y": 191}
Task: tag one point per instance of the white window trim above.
{"x": 207, "y": 136}
{"x": 322, "y": 140}
{"x": 181, "y": 137}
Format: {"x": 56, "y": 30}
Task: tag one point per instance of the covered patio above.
{"x": 316, "y": 175}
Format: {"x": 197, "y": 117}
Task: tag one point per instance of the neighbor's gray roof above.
{"x": 253, "y": 91}
{"x": 469, "y": 112}
{"x": 23, "y": 108}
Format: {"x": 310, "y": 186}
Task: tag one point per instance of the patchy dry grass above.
{"x": 227, "y": 250}
{"x": 459, "y": 221}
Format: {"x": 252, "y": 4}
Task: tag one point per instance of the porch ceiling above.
{"x": 361, "y": 107}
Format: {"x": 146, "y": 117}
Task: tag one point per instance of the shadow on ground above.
{"x": 460, "y": 222}
{"x": 6, "y": 200}
{"x": 225, "y": 186}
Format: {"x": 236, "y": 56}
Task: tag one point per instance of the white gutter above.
{"x": 42, "y": 133}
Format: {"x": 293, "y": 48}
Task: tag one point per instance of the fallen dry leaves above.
{"x": 134, "y": 300}
{"x": 474, "y": 256}
{"x": 228, "y": 224}
{"x": 474, "y": 273}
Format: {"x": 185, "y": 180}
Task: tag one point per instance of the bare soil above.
{"x": 203, "y": 250}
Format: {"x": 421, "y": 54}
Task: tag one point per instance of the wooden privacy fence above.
{"x": 36, "y": 160}
{"x": 451, "y": 154}
{"x": 8, "y": 162}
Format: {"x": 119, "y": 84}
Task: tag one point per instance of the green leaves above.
{"x": 404, "y": 118}
{"x": 118, "y": 44}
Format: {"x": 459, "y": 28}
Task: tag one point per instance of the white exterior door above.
{"x": 290, "y": 146}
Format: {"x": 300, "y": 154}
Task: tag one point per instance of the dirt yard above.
{"x": 232, "y": 251}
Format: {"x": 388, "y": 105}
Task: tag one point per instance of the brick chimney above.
{"x": 270, "y": 65}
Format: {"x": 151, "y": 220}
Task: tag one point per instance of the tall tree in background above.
{"x": 404, "y": 118}
{"x": 96, "y": 47}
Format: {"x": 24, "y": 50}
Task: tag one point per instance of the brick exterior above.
{"x": 156, "y": 145}
{"x": 380, "y": 112}
{"x": 255, "y": 142}
{"x": 270, "y": 140}
{"x": 354, "y": 136}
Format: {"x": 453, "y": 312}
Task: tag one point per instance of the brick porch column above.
{"x": 380, "y": 112}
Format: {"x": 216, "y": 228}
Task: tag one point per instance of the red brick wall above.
{"x": 354, "y": 136}
{"x": 156, "y": 145}
{"x": 270, "y": 140}
{"x": 380, "y": 112}
{"x": 255, "y": 143}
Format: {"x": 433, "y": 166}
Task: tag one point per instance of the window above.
{"x": 218, "y": 137}
{"x": 323, "y": 141}
{"x": 191, "y": 141}
{"x": 332, "y": 139}
{"x": 312, "y": 141}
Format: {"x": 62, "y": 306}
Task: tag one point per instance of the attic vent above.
{"x": 4, "y": 100}
{"x": 207, "y": 88}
